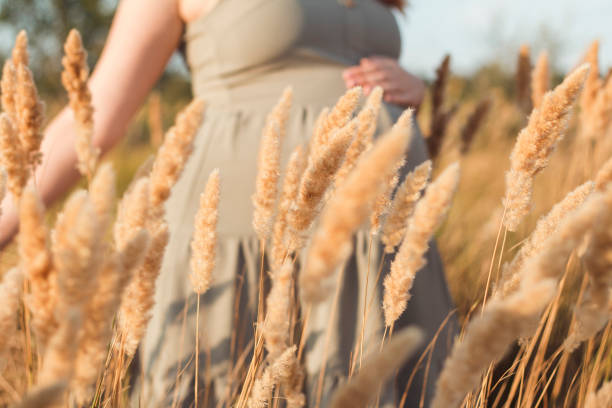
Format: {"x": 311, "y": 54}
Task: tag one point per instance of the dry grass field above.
{"x": 519, "y": 200}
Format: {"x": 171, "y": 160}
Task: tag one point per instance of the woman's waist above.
{"x": 316, "y": 82}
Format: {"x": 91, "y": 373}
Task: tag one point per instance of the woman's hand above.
{"x": 400, "y": 87}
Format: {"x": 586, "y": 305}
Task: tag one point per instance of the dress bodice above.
{"x": 243, "y": 45}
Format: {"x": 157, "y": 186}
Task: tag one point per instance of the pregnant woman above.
{"x": 241, "y": 55}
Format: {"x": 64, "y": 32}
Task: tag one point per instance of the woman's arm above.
{"x": 143, "y": 36}
{"x": 400, "y": 87}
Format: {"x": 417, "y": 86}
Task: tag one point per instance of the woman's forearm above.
{"x": 142, "y": 38}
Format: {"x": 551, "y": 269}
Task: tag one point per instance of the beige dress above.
{"x": 242, "y": 55}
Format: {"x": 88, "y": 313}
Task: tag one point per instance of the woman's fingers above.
{"x": 400, "y": 87}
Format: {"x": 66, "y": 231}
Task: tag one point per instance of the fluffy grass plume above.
{"x": 440, "y": 117}
{"x": 10, "y": 297}
{"x": 403, "y": 204}
{"x": 205, "y": 236}
{"x": 523, "y": 75}
{"x": 486, "y": 339}
{"x": 473, "y": 124}
{"x": 268, "y": 167}
{"x": 536, "y": 142}
{"x": 550, "y": 261}
{"x": 76, "y": 251}
{"x": 44, "y": 397}
{"x": 174, "y": 152}
{"x": 362, "y": 387}
{"x": 317, "y": 179}
{"x": 59, "y": 359}
{"x": 604, "y": 176}
{"x": 137, "y": 300}
{"x": 367, "y": 119}
{"x": 545, "y": 228}
{"x": 283, "y": 235}
{"x": 602, "y": 398}
{"x": 8, "y": 84}
{"x": 337, "y": 118}
{"x": 37, "y": 265}
{"x": 281, "y": 369}
{"x": 347, "y": 210}
{"x": 20, "y": 55}
{"x": 12, "y": 157}
{"x": 100, "y": 309}
{"x": 597, "y": 119}
{"x": 97, "y": 330}
{"x": 74, "y": 79}
{"x": 30, "y": 115}
{"x": 278, "y": 304}
{"x": 8, "y": 88}
{"x": 593, "y": 312}
{"x": 383, "y": 201}
{"x": 593, "y": 82}
{"x": 428, "y": 215}
{"x": 102, "y": 193}
{"x": 540, "y": 80}
{"x": 132, "y": 213}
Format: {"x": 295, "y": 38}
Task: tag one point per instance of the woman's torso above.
{"x": 243, "y": 53}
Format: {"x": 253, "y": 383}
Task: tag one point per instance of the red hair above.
{"x": 399, "y": 4}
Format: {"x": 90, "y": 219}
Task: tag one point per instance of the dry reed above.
{"x": 337, "y": 118}
{"x": 74, "y": 79}
{"x": 362, "y": 141}
{"x": 20, "y": 55}
{"x": 540, "y": 80}
{"x": 44, "y": 397}
{"x": 12, "y": 157}
{"x": 37, "y": 265}
{"x": 283, "y": 235}
{"x": 132, "y": 213}
{"x": 428, "y": 215}
{"x": 545, "y": 228}
{"x": 604, "y": 176}
{"x": 602, "y": 398}
{"x": 59, "y": 359}
{"x": 486, "y": 339}
{"x": 389, "y": 181}
{"x": 347, "y": 210}
{"x": 274, "y": 374}
{"x": 317, "y": 179}
{"x": 8, "y": 89}
{"x": 30, "y": 116}
{"x": 473, "y": 124}
{"x": 593, "y": 312}
{"x": 205, "y": 236}
{"x": 77, "y": 242}
{"x": 137, "y": 301}
{"x": 593, "y": 82}
{"x": 268, "y": 171}
{"x": 10, "y": 297}
{"x": 523, "y": 75}
{"x": 535, "y": 143}
{"x": 278, "y": 304}
{"x": 173, "y": 154}
{"x": 403, "y": 204}
{"x": 361, "y": 388}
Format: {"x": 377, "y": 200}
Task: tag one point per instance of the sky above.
{"x": 478, "y": 31}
